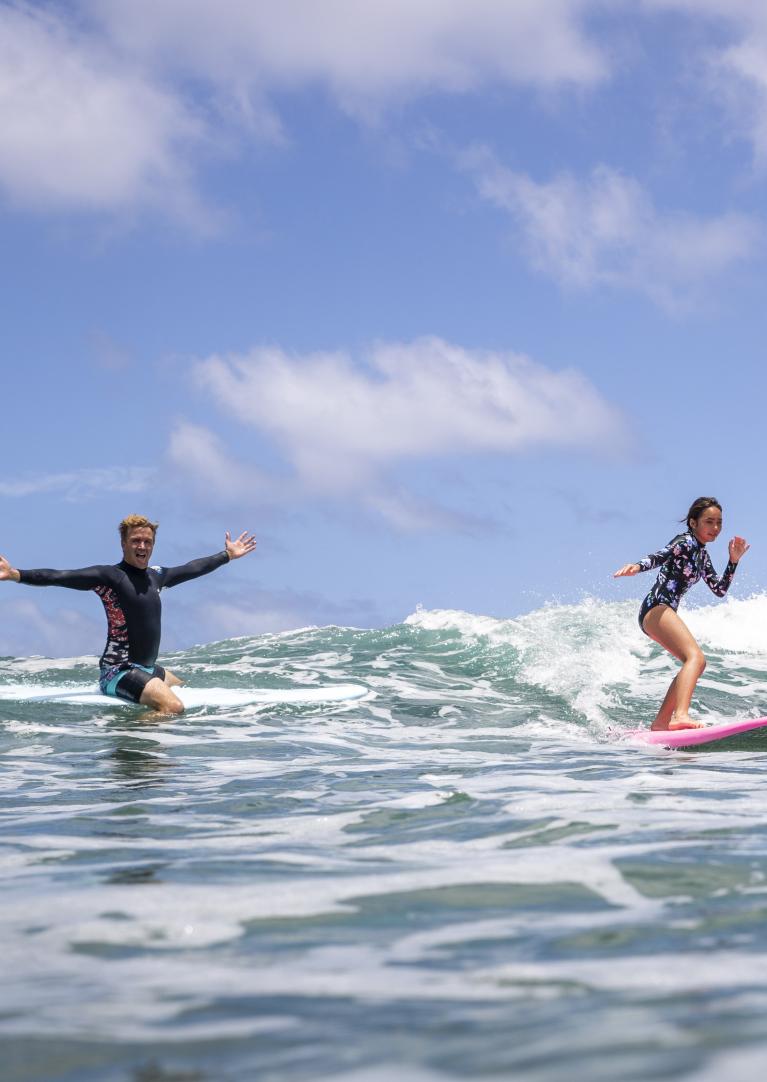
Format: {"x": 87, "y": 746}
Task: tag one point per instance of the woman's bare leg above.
{"x": 665, "y": 626}
{"x": 667, "y": 708}
{"x": 171, "y": 680}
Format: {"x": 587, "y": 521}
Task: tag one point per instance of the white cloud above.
{"x": 366, "y": 54}
{"x": 734, "y": 72}
{"x": 744, "y": 10}
{"x": 107, "y": 106}
{"x": 79, "y": 485}
{"x": 200, "y": 460}
{"x": 199, "y": 454}
{"x": 342, "y": 425}
{"x": 410, "y": 512}
{"x": 606, "y": 231}
{"x": 81, "y": 130}
{"x": 97, "y": 111}
{"x": 29, "y": 628}
{"x": 739, "y": 80}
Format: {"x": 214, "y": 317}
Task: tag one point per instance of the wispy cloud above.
{"x": 27, "y": 627}
{"x": 364, "y": 54}
{"x": 587, "y": 511}
{"x": 199, "y": 461}
{"x": 411, "y": 512}
{"x": 345, "y": 425}
{"x": 606, "y": 231}
{"x": 79, "y": 485}
{"x": 108, "y": 353}
{"x": 199, "y": 454}
{"x": 269, "y": 611}
{"x": 733, "y": 71}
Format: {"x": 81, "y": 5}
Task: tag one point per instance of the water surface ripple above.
{"x": 463, "y": 876}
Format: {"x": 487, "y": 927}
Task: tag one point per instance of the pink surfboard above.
{"x": 689, "y": 738}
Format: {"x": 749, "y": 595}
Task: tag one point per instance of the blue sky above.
{"x": 453, "y": 303}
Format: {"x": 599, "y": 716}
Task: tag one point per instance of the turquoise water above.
{"x": 463, "y": 876}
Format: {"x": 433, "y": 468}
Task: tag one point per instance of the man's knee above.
{"x": 158, "y": 695}
{"x": 164, "y": 704}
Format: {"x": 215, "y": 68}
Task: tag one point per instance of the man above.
{"x": 130, "y": 592}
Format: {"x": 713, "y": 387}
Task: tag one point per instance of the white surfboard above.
{"x": 190, "y": 696}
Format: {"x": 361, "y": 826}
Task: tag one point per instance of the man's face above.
{"x": 137, "y": 547}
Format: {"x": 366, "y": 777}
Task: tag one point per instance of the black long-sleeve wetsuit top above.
{"x": 683, "y": 562}
{"x": 131, "y": 598}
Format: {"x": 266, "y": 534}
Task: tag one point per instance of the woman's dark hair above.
{"x": 699, "y": 506}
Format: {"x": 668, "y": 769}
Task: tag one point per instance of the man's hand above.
{"x": 244, "y": 544}
{"x": 8, "y": 573}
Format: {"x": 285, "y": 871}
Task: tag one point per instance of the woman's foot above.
{"x": 679, "y": 721}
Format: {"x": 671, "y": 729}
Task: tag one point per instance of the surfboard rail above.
{"x": 688, "y": 738}
{"x": 190, "y": 696}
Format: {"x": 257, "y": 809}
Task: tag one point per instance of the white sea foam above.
{"x": 593, "y": 654}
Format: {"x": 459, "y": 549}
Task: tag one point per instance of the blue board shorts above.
{"x": 128, "y": 680}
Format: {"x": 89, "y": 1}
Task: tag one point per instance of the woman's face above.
{"x": 708, "y": 525}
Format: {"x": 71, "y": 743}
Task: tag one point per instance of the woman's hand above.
{"x": 738, "y": 547}
{"x": 627, "y": 569}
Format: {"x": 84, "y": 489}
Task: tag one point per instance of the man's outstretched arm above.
{"x": 233, "y": 550}
{"x": 85, "y": 578}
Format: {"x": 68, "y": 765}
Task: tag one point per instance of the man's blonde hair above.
{"x": 135, "y": 522}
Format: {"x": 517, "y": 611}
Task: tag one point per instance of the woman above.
{"x": 682, "y": 563}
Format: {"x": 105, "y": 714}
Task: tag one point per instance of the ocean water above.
{"x": 466, "y": 875}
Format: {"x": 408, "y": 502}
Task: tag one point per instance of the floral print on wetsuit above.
{"x": 683, "y": 562}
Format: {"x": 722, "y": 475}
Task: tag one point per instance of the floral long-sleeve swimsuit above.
{"x": 683, "y": 562}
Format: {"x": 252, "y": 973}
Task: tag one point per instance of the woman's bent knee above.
{"x": 697, "y": 660}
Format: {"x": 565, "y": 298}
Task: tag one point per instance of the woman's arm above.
{"x": 655, "y": 559}
{"x": 719, "y": 586}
